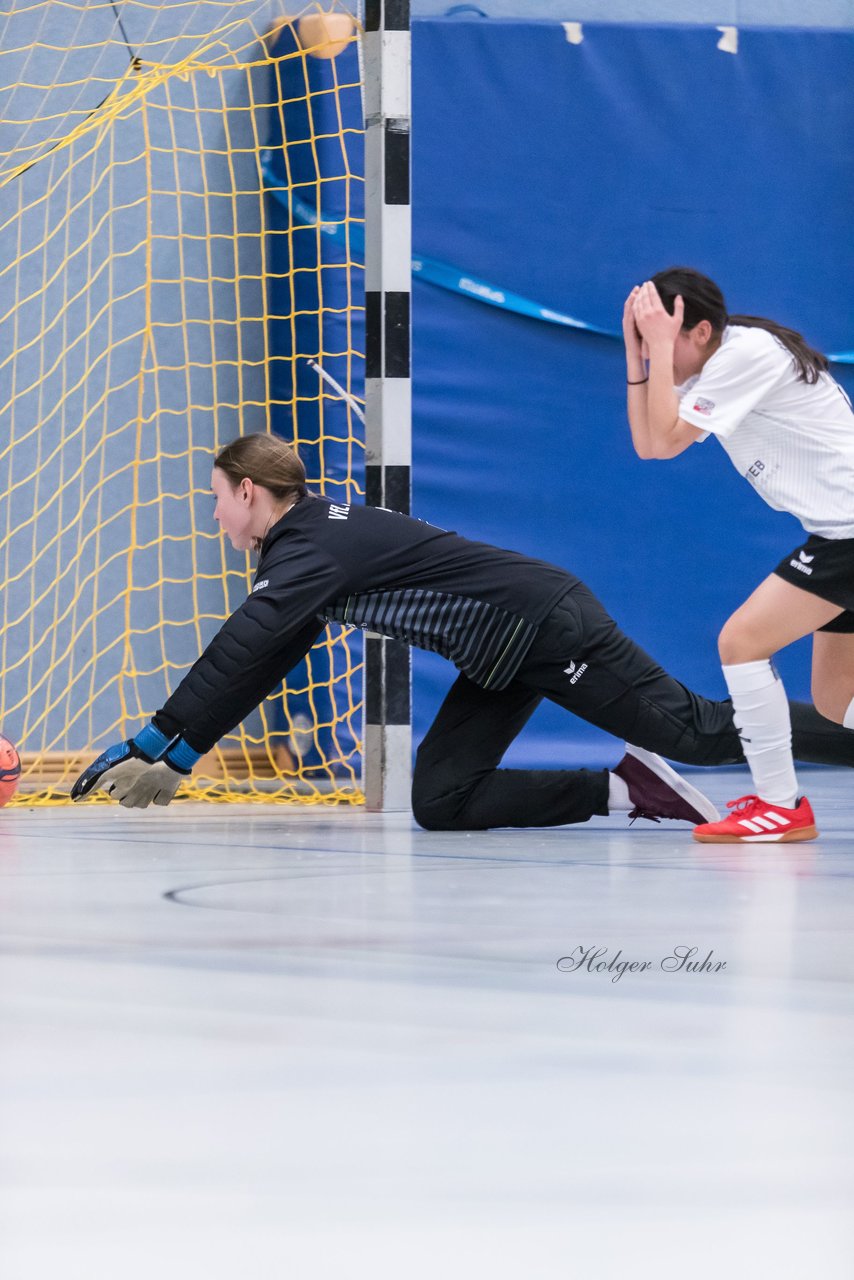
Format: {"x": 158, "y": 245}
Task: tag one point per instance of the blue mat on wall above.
{"x": 313, "y": 144}
{"x": 567, "y": 173}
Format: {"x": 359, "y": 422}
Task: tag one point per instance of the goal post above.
{"x": 388, "y": 372}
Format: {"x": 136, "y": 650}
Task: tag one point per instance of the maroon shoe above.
{"x": 657, "y": 791}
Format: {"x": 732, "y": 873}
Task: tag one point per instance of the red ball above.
{"x": 10, "y": 770}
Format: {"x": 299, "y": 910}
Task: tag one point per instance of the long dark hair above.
{"x": 704, "y": 301}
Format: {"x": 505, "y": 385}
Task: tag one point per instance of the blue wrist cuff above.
{"x": 174, "y": 751}
{"x": 151, "y": 742}
{"x": 182, "y": 756}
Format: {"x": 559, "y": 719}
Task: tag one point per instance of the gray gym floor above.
{"x": 311, "y": 1042}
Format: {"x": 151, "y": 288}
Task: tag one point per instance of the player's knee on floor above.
{"x": 437, "y": 810}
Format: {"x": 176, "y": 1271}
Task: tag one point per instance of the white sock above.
{"x": 848, "y": 718}
{"x": 618, "y": 795}
{"x": 761, "y": 714}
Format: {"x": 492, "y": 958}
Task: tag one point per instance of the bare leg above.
{"x": 833, "y": 673}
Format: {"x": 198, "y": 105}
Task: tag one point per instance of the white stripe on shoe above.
{"x": 765, "y": 822}
{"x": 778, "y": 818}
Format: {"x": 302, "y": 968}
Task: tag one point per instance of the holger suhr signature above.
{"x": 682, "y": 959}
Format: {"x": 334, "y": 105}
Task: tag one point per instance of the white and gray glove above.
{"x": 137, "y": 783}
{"x": 145, "y": 769}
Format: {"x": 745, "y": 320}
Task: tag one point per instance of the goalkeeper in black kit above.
{"x": 518, "y": 630}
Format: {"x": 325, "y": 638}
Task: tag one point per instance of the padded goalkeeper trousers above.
{"x": 582, "y": 661}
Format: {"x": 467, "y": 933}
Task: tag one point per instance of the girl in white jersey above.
{"x": 692, "y": 372}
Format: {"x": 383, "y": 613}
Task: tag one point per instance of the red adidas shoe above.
{"x": 755, "y": 821}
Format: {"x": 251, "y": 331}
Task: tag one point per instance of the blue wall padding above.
{"x": 315, "y": 141}
{"x": 568, "y": 173}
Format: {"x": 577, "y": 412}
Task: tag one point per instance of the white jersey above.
{"x": 792, "y": 441}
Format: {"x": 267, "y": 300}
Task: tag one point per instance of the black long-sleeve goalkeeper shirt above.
{"x": 475, "y": 604}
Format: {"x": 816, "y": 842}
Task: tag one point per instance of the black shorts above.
{"x": 824, "y": 567}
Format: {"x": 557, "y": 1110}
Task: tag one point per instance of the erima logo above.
{"x": 803, "y": 563}
{"x": 259, "y": 586}
{"x": 575, "y": 672}
{"x": 338, "y": 513}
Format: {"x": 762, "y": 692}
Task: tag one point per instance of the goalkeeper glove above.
{"x": 146, "y": 768}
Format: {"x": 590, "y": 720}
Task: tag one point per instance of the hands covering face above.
{"x": 631, "y": 333}
{"x": 652, "y": 322}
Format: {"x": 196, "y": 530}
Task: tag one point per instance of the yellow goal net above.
{"x": 181, "y": 262}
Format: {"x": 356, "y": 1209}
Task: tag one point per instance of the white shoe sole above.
{"x": 694, "y": 797}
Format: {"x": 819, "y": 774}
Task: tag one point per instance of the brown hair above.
{"x": 704, "y": 301}
{"x": 267, "y": 461}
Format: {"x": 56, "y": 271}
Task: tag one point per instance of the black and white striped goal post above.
{"x": 388, "y": 374}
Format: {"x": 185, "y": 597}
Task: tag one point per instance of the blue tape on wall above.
{"x": 443, "y": 274}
